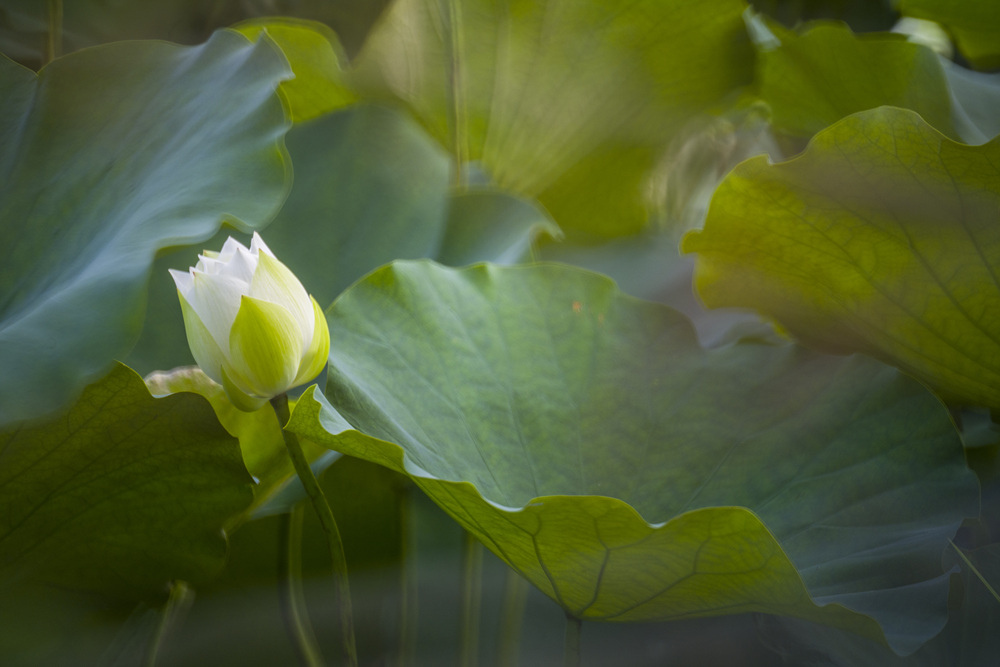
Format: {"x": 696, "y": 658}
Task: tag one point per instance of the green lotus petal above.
{"x": 880, "y": 238}
{"x": 265, "y": 348}
{"x": 122, "y": 495}
{"x": 569, "y": 103}
{"x": 590, "y": 442}
{"x": 975, "y": 25}
{"x": 106, "y": 156}
{"x": 239, "y": 398}
{"x": 316, "y": 58}
{"x": 275, "y": 282}
{"x": 814, "y": 79}
{"x": 314, "y": 360}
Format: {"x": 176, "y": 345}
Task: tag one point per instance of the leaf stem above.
{"x": 409, "y": 605}
{"x": 472, "y": 594}
{"x": 329, "y": 525}
{"x": 975, "y": 571}
{"x": 515, "y": 595}
{"x": 458, "y": 121}
{"x": 293, "y": 607}
{"x": 53, "y": 44}
{"x": 571, "y": 651}
{"x": 179, "y": 600}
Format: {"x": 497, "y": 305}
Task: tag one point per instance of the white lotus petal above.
{"x": 183, "y": 281}
{"x": 216, "y": 299}
{"x": 204, "y": 348}
{"x": 257, "y": 244}
{"x": 242, "y": 266}
{"x": 229, "y": 249}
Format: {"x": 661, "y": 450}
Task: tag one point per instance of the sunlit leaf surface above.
{"x": 814, "y": 79}
{"x": 122, "y": 494}
{"x": 317, "y": 61}
{"x": 587, "y": 439}
{"x": 565, "y": 101}
{"x": 882, "y": 237}
{"x": 106, "y": 156}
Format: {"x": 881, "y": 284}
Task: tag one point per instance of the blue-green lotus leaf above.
{"x": 588, "y": 440}
{"x": 108, "y": 155}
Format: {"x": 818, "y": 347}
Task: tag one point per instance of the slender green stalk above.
{"x": 179, "y": 600}
{"x": 571, "y": 653}
{"x": 293, "y": 607}
{"x": 472, "y": 595}
{"x": 458, "y": 113}
{"x": 53, "y": 45}
{"x": 975, "y": 571}
{"x": 515, "y": 595}
{"x": 329, "y": 525}
{"x": 409, "y": 606}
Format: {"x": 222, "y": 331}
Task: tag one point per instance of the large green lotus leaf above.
{"x": 881, "y": 237}
{"x": 586, "y": 438}
{"x": 316, "y": 58}
{"x": 106, "y": 156}
{"x": 975, "y": 25}
{"x": 565, "y": 101}
{"x": 370, "y": 187}
{"x": 812, "y": 80}
{"x": 122, "y": 494}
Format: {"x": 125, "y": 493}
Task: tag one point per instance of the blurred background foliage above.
{"x": 408, "y": 159}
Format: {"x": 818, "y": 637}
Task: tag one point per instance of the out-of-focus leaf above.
{"x": 370, "y": 187}
{"x": 122, "y": 494}
{"x": 975, "y": 98}
{"x": 814, "y": 79}
{"x": 861, "y": 15}
{"x": 567, "y": 102}
{"x": 649, "y": 266}
{"x": 882, "y": 237}
{"x": 970, "y": 638}
{"x": 24, "y": 25}
{"x": 975, "y": 25}
{"x": 587, "y": 439}
{"x": 487, "y": 225}
{"x": 106, "y": 156}
{"x": 316, "y": 57}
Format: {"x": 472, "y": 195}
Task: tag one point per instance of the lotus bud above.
{"x": 250, "y": 324}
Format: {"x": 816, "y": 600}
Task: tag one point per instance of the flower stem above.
{"x": 329, "y": 525}
{"x": 515, "y": 596}
{"x": 472, "y": 594}
{"x": 293, "y": 608}
{"x": 571, "y": 654}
